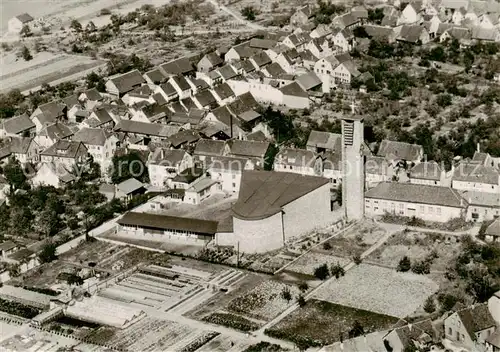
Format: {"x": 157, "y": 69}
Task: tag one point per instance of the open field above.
{"x": 417, "y": 246}
{"x": 321, "y": 323}
{"x": 379, "y": 290}
{"x": 45, "y": 69}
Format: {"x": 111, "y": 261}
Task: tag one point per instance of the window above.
{"x": 450, "y": 331}
{"x": 431, "y": 210}
{"x": 234, "y": 185}
{"x": 422, "y": 209}
{"x": 438, "y": 210}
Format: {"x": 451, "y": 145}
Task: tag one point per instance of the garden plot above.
{"x": 176, "y": 288}
{"x": 379, "y": 290}
{"x": 308, "y": 262}
{"x": 417, "y": 246}
{"x": 148, "y": 334}
{"x": 265, "y": 301}
{"x": 320, "y": 323}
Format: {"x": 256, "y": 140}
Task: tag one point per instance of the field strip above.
{"x": 34, "y": 67}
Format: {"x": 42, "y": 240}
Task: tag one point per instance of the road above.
{"x": 390, "y": 230}
{"x": 240, "y": 19}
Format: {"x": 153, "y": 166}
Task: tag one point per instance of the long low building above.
{"x": 164, "y": 228}
{"x": 429, "y": 203}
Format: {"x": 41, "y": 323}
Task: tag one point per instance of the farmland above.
{"x": 320, "y": 323}
{"x": 379, "y": 290}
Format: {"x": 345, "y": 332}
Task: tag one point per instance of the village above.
{"x": 326, "y": 182}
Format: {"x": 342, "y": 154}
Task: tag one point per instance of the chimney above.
{"x": 478, "y": 147}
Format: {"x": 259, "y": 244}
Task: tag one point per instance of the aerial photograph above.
{"x": 250, "y": 175}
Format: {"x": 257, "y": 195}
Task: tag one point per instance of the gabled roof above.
{"x": 209, "y": 147}
{"x": 24, "y": 18}
{"x": 244, "y": 50}
{"x": 214, "y": 59}
{"x": 227, "y": 72}
{"x": 224, "y": 91}
{"x": 415, "y": 193}
{"x": 493, "y": 229}
{"x": 52, "y": 110}
{"x": 295, "y": 157}
{"x": 156, "y": 76}
{"x": 243, "y": 103}
{"x": 325, "y": 140}
{"x": 71, "y": 101}
{"x": 262, "y": 43}
{"x": 129, "y": 186}
{"x": 265, "y": 193}
{"x": 307, "y": 10}
{"x": 181, "y": 82}
{"x": 485, "y": 33}
{"x": 251, "y": 149}
{"x": 102, "y": 114}
{"x": 400, "y": 150}
{"x": 63, "y": 148}
{"x": 345, "y": 20}
{"x": 476, "y": 173}
{"x": 476, "y": 318}
{"x": 56, "y": 130}
{"x": 224, "y": 116}
{"x": 376, "y": 165}
{"x": 427, "y": 170}
{"x": 127, "y": 81}
{"x": 205, "y": 98}
{"x": 155, "y": 112}
{"x": 410, "y": 34}
{"x": 91, "y": 136}
{"x": 299, "y": 38}
{"x": 294, "y": 89}
{"x": 378, "y": 32}
{"x": 275, "y": 70}
{"x": 247, "y": 66}
{"x": 92, "y": 94}
{"x": 145, "y": 128}
{"x": 309, "y": 80}
{"x": 17, "y": 124}
{"x": 261, "y": 59}
{"x": 168, "y": 89}
{"x": 182, "y": 137}
{"x": 177, "y": 67}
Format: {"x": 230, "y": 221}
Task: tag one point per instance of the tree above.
{"x": 96, "y": 81}
{"x": 90, "y": 27}
{"x": 443, "y": 100}
{"x": 322, "y": 272}
{"x": 429, "y": 305}
{"x": 26, "y": 31}
{"x": 337, "y": 270}
{"x": 303, "y": 286}
{"x": 14, "y": 270}
{"x": 286, "y": 295}
{"x": 357, "y": 259}
{"x": 301, "y": 301}
{"x": 404, "y": 264}
{"x": 49, "y": 222}
{"x": 128, "y": 166}
{"x": 74, "y": 279}
{"x": 356, "y": 330}
{"x": 14, "y": 175}
{"x": 76, "y": 26}
{"x": 48, "y": 253}
{"x": 25, "y": 53}
{"x": 249, "y": 13}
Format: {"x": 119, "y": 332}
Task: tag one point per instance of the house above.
{"x": 17, "y": 23}
{"x": 482, "y": 206}
{"x": 332, "y": 167}
{"x": 489, "y": 20}
{"x": 380, "y": 32}
{"x": 302, "y": 16}
{"x": 100, "y": 144}
{"x": 201, "y": 189}
{"x": 253, "y": 150}
{"x": 459, "y": 16}
{"x": 240, "y": 52}
{"x": 275, "y": 207}
{"x": 294, "y": 96}
{"x": 346, "y": 20}
{"x": 129, "y": 188}
{"x": 164, "y": 164}
{"x": 166, "y": 229}
{"x": 207, "y": 148}
{"x": 420, "y": 335}
{"x": 186, "y": 178}
{"x": 344, "y": 38}
{"x": 227, "y": 72}
{"x": 263, "y": 44}
{"x": 299, "y": 161}
{"x": 309, "y": 81}
{"x": 20, "y": 125}
{"x": 400, "y": 151}
{"x": 320, "y": 141}
{"x": 167, "y": 91}
{"x": 120, "y": 84}
{"x": 288, "y": 60}
{"x": 155, "y": 77}
{"x": 181, "y": 66}
{"x": 469, "y": 328}
{"x": 51, "y": 174}
{"x": 90, "y": 98}
{"x": 297, "y": 41}
{"x": 145, "y": 132}
{"x": 429, "y": 203}
{"x": 102, "y": 117}
{"x": 476, "y": 177}
{"x": 428, "y": 173}
{"x": 181, "y": 86}
{"x": 197, "y": 84}
{"x": 413, "y": 34}
{"x": 228, "y": 171}
{"x": 485, "y": 34}
{"x": 345, "y": 72}
{"x": 48, "y": 113}
{"x": 492, "y": 233}
{"x": 205, "y": 100}
{"x": 360, "y": 13}
{"x": 412, "y": 13}
{"x": 493, "y": 342}
{"x": 377, "y": 170}
{"x": 223, "y": 94}
{"x": 67, "y": 153}
{"x": 22, "y": 149}
{"x": 209, "y": 62}
{"x": 224, "y": 116}
{"x": 52, "y": 133}
{"x": 138, "y": 95}
{"x": 7, "y": 248}
{"x": 321, "y": 31}
{"x": 260, "y": 60}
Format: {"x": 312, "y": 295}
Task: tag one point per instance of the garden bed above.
{"x": 232, "y": 321}
{"x": 321, "y": 323}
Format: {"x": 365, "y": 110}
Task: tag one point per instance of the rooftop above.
{"x": 265, "y": 193}
{"x": 164, "y": 222}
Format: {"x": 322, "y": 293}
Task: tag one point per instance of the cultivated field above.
{"x": 321, "y": 323}
{"x": 307, "y": 263}
{"x": 379, "y": 290}
{"x": 44, "y": 68}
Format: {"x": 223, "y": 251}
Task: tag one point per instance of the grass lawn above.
{"x": 321, "y": 323}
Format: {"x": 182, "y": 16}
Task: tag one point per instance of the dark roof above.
{"x": 400, "y": 150}
{"x": 243, "y": 103}
{"x": 477, "y": 173}
{"x": 189, "y": 175}
{"x": 265, "y": 193}
{"x": 214, "y": 59}
{"x": 71, "y": 101}
{"x": 262, "y": 43}
{"x": 92, "y": 94}
{"x": 155, "y": 111}
{"x": 379, "y": 32}
{"x": 18, "y": 124}
{"x": 296, "y": 157}
{"x": 227, "y": 72}
{"x": 261, "y": 59}
{"x": 181, "y": 137}
{"x": 476, "y": 318}
{"x": 426, "y": 170}
{"x": 164, "y": 222}
{"x": 159, "y": 99}
{"x": 102, "y": 114}
{"x": 17, "y": 145}
{"x": 181, "y": 82}
{"x": 493, "y": 229}
{"x": 253, "y": 149}
{"x": 247, "y": 66}
{"x": 156, "y": 76}
{"x": 223, "y": 91}
{"x": 209, "y": 147}
{"x": 189, "y": 103}
{"x": 309, "y": 80}
{"x": 410, "y": 34}
{"x": 167, "y": 157}
{"x": 168, "y": 88}
{"x": 52, "y": 110}
{"x": 7, "y": 245}
{"x": 415, "y": 193}
{"x": 294, "y": 89}
{"x": 24, "y": 18}
{"x": 177, "y": 67}
{"x": 244, "y": 50}
{"x": 325, "y": 140}
{"x": 145, "y": 128}
{"x": 275, "y": 70}
{"x": 256, "y": 136}
{"x": 224, "y": 115}
{"x": 205, "y": 98}
{"x": 91, "y": 136}
{"x": 127, "y": 81}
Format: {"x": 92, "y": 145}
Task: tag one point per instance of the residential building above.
{"x": 17, "y": 126}
{"x": 67, "y": 153}
{"x": 100, "y": 144}
{"x": 209, "y": 62}
{"x": 482, "y": 206}
{"x": 400, "y": 151}
{"x": 470, "y": 328}
{"x": 120, "y": 84}
{"x": 429, "y": 203}
{"x": 16, "y": 23}
{"x": 201, "y": 189}
{"x": 294, "y": 97}
{"x": 155, "y": 77}
{"x": 377, "y": 170}
{"x": 47, "y": 114}
{"x": 181, "y": 66}
{"x": 412, "y": 13}
{"x": 298, "y": 161}
{"x": 420, "y": 335}
{"x": 492, "y": 234}
{"x": 228, "y": 171}
{"x": 473, "y": 176}
{"x": 302, "y": 16}
{"x": 164, "y": 164}
{"x": 90, "y": 98}
{"x": 254, "y": 150}
{"x": 52, "y": 133}
{"x": 22, "y": 149}
{"x": 429, "y": 173}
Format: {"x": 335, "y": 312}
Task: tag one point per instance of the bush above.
{"x": 337, "y": 270}
{"x": 327, "y": 246}
{"x": 249, "y": 13}
{"x": 404, "y": 264}
{"x": 18, "y": 309}
{"x": 263, "y": 346}
{"x": 322, "y": 272}
{"x": 231, "y": 321}
{"x": 429, "y": 305}
{"x": 286, "y": 295}
{"x": 357, "y": 259}
{"x": 301, "y": 301}
{"x": 422, "y": 267}
{"x": 303, "y": 286}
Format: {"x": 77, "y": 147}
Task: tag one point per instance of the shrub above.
{"x": 301, "y": 301}
{"x": 303, "y": 286}
{"x": 337, "y": 270}
{"x": 231, "y": 321}
{"x": 422, "y": 267}
{"x": 327, "y": 246}
{"x": 249, "y": 13}
{"x": 404, "y": 264}
{"x": 322, "y": 272}
{"x": 287, "y": 296}
{"x": 429, "y": 305}
{"x": 357, "y": 259}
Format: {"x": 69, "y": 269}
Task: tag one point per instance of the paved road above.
{"x": 237, "y": 16}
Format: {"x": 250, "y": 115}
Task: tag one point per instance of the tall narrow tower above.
{"x": 353, "y": 175}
